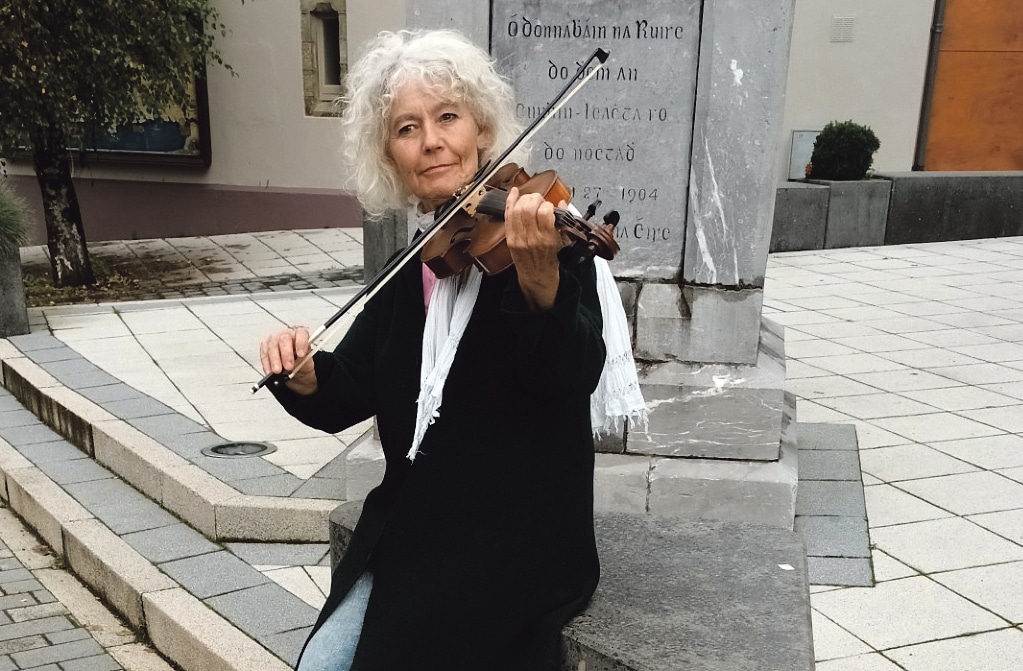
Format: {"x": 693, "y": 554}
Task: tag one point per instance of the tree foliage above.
{"x": 65, "y": 63}
{"x": 68, "y": 61}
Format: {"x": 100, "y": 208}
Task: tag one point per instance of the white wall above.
{"x": 876, "y": 80}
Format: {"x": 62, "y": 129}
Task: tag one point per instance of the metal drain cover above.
{"x": 239, "y": 449}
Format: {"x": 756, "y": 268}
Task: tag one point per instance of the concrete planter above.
{"x": 800, "y": 217}
{"x": 939, "y": 206}
{"x": 13, "y": 313}
{"x": 857, "y": 212}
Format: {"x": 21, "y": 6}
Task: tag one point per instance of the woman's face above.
{"x": 434, "y": 143}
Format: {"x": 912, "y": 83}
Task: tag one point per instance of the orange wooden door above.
{"x": 977, "y": 105}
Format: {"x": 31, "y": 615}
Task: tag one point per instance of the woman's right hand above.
{"x": 279, "y": 352}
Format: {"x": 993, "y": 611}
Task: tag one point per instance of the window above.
{"x": 325, "y": 55}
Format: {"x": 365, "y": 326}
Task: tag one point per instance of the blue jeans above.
{"x": 332, "y": 648}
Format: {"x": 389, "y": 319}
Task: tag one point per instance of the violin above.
{"x": 488, "y": 190}
{"x": 475, "y": 235}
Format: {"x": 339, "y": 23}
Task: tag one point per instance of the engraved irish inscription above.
{"x": 625, "y": 138}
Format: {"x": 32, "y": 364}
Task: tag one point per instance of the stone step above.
{"x": 203, "y": 605}
{"x": 682, "y": 594}
{"x": 159, "y": 451}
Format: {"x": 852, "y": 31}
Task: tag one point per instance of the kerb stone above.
{"x": 112, "y": 568}
{"x": 197, "y": 639}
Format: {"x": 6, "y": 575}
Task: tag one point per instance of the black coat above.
{"x": 483, "y": 547}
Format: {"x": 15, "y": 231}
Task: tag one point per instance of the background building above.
{"x": 939, "y": 81}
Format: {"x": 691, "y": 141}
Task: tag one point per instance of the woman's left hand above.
{"x": 534, "y": 243}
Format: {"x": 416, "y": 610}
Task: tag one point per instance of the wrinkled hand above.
{"x": 534, "y": 243}
{"x": 278, "y": 353}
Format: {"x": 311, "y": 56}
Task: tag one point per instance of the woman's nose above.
{"x": 431, "y": 138}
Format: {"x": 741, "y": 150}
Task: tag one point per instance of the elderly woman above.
{"x": 478, "y": 544}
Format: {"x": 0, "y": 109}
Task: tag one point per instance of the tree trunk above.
{"x": 65, "y": 236}
{"x": 13, "y": 313}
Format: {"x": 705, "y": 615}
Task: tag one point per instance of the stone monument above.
{"x": 678, "y": 132}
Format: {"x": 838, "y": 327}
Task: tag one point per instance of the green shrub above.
{"x": 843, "y": 151}
{"x": 13, "y": 220}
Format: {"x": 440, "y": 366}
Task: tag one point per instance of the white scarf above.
{"x": 617, "y": 396}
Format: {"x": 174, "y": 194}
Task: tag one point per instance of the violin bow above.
{"x": 446, "y": 212}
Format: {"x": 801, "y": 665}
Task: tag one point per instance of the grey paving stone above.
{"x": 264, "y": 610}
{"x": 57, "y": 653}
{"x": 13, "y": 417}
{"x": 190, "y": 445}
{"x": 131, "y": 513}
{"x": 162, "y": 426}
{"x": 16, "y": 601}
{"x": 69, "y": 368}
{"x": 109, "y": 392}
{"x": 818, "y": 497}
{"x": 8, "y": 402}
{"x": 280, "y": 554}
{"x": 820, "y": 436}
{"x": 164, "y": 544}
{"x": 29, "y": 434}
{"x": 829, "y": 465}
{"x": 284, "y": 484}
{"x": 75, "y": 470}
{"x": 287, "y": 645}
{"x": 34, "y": 612}
{"x": 78, "y": 382}
{"x": 55, "y": 354}
{"x": 213, "y": 574}
{"x": 834, "y": 536}
{"x": 320, "y": 488}
{"x": 7, "y": 664}
{"x": 235, "y": 469}
{"x": 840, "y": 571}
{"x": 137, "y": 406}
{"x": 21, "y": 644}
{"x": 15, "y": 574}
{"x": 31, "y": 342}
{"x": 100, "y": 492}
{"x": 334, "y": 469}
{"x": 57, "y": 450}
{"x": 102, "y": 662}
{"x": 42, "y": 626}
{"x": 69, "y": 635}
{"x": 21, "y": 586}
{"x": 43, "y": 596}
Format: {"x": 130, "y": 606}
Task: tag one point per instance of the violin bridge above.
{"x": 472, "y": 201}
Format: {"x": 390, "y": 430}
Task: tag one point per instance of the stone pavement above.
{"x": 918, "y": 347}
{"x": 50, "y": 621}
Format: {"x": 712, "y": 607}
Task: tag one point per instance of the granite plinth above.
{"x": 717, "y": 411}
{"x": 694, "y": 595}
{"x": 682, "y": 594}
{"x": 698, "y": 323}
{"x": 717, "y": 424}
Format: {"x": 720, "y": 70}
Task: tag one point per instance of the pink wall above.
{"x": 127, "y": 210}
